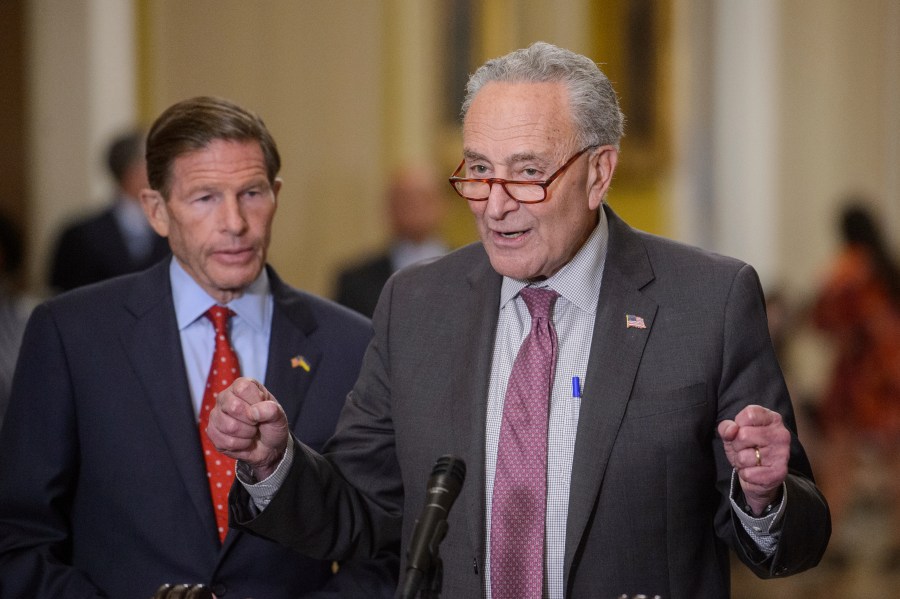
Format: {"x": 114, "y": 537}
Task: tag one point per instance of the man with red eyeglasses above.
{"x": 615, "y": 395}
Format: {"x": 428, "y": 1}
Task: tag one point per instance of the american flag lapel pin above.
{"x": 634, "y": 322}
{"x": 300, "y": 362}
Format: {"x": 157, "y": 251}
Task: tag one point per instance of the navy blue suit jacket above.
{"x": 103, "y": 486}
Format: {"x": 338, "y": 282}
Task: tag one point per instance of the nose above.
{"x": 232, "y": 216}
{"x": 499, "y": 203}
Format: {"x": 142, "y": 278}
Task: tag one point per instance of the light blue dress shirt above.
{"x": 250, "y": 330}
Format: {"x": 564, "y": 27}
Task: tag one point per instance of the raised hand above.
{"x": 249, "y": 425}
{"x": 758, "y": 446}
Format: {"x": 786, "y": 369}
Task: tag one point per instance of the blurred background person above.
{"x": 415, "y": 208}
{"x": 117, "y": 240}
{"x": 15, "y": 307}
{"x": 858, "y": 308}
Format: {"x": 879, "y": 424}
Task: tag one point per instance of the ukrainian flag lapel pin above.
{"x": 300, "y": 362}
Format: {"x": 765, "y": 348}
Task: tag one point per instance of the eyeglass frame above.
{"x": 503, "y": 182}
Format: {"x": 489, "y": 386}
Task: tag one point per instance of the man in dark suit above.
{"x": 415, "y": 209}
{"x": 118, "y": 240}
{"x": 659, "y": 434}
{"x": 104, "y": 488}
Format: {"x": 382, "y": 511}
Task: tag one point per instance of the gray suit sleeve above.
{"x": 751, "y": 374}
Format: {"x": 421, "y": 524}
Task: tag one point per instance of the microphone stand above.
{"x": 427, "y": 584}
{"x": 434, "y": 577}
{"x": 433, "y": 581}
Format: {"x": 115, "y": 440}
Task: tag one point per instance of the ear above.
{"x": 602, "y": 164}
{"x": 276, "y": 187}
{"x": 154, "y": 206}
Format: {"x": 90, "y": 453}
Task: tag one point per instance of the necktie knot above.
{"x": 219, "y": 316}
{"x": 539, "y": 301}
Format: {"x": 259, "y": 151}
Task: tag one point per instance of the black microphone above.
{"x": 444, "y": 485}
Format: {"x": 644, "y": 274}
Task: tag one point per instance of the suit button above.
{"x": 219, "y": 589}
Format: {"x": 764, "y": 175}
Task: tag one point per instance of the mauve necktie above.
{"x": 222, "y": 372}
{"x": 520, "y": 480}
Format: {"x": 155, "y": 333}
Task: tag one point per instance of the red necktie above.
{"x": 520, "y": 482}
{"x": 222, "y": 372}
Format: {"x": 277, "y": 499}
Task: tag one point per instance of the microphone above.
{"x": 444, "y": 485}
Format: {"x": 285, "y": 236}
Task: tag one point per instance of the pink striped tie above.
{"x": 520, "y": 483}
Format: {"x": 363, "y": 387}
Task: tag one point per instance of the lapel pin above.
{"x": 300, "y": 362}
{"x": 634, "y": 322}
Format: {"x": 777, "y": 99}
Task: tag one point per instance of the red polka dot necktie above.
{"x": 520, "y": 481}
{"x": 222, "y": 372}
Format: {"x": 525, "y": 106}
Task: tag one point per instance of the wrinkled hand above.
{"x": 249, "y": 425}
{"x": 757, "y": 429}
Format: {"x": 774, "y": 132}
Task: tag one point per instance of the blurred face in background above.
{"x": 415, "y": 204}
{"x": 134, "y": 179}
{"x": 218, "y": 216}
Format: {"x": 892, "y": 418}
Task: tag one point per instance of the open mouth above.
{"x": 511, "y": 235}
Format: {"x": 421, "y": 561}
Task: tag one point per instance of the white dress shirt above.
{"x": 578, "y": 285}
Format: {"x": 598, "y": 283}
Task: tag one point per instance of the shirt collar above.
{"x": 578, "y": 280}
{"x": 191, "y": 301}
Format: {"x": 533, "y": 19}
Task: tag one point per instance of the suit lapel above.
{"x": 153, "y": 346}
{"x": 292, "y": 355}
{"x": 475, "y": 345}
{"x": 616, "y": 351}
{"x": 289, "y": 346}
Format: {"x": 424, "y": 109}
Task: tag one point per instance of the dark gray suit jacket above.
{"x": 103, "y": 487}
{"x": 649, "y": 508}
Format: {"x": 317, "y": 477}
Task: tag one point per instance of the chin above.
{"x": 513, "y": 271}
{"x": 236, "y": 281}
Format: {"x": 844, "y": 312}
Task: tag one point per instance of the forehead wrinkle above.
{"x": 525, "y": 129}
{"x": 209, "y": 172}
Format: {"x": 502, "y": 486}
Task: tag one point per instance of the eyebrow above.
{"x": 515, "y": 158}
{"x": 470, "y": 155}
{"x": 524, "y": 157}
{"x": 214, "y": 187}
{"x": 198, "y": 189}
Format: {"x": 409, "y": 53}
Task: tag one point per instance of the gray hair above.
{"x": 592, "y": 100}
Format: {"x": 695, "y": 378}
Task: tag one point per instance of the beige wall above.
{"x": 840, "y": 125}
{"x": 80, "y": 76}
{"x": 351, "y": 87}
{"x": 313, "y": 71}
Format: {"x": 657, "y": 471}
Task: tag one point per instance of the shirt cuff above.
{"x": 764, "y": 530}
{"x": 262, "y": 492}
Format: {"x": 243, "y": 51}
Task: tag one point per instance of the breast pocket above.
{"x": 649, "y": 402}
